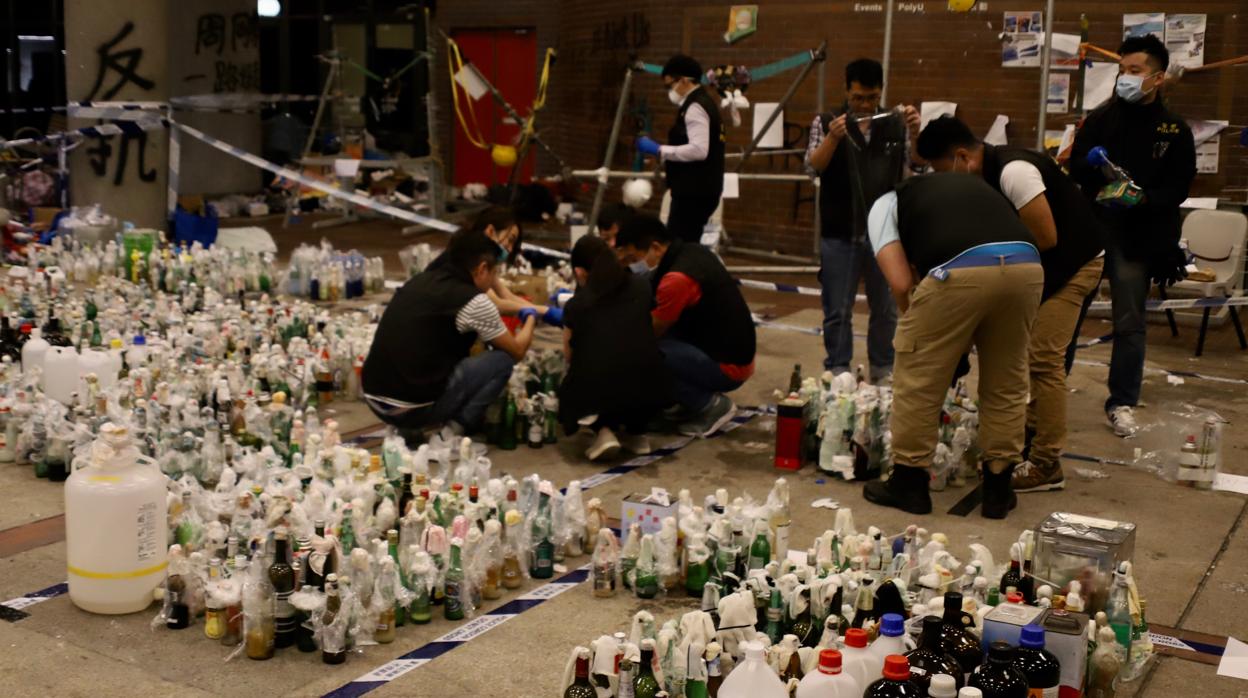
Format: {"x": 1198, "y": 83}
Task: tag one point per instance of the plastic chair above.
{"x": 1216, "y": 239}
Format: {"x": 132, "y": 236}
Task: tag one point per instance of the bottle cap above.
{"x": 1014, "y": 597}
{"x": 896, "y": 668}
{"x": 830, "y": 662}
{"x": 970, "y": 692}
{"x": 1032, "y": 637}
{"x": 1001, "y": 651}
{"x": 942, "y": 685}
{"x": 753, "y": 651}
{"x": 953, "y": 601}
{"x": 893, "y": 625}
{"x": 856, "y": 637}
{"x": 139, "y": 340}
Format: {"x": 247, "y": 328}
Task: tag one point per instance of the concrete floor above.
{"x": 60, "y": 650}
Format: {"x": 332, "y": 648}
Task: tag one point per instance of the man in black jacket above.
{"x": 694, "y": 155}
{"x": 1155, "y": 147}
{"x": 1071, "y": 242}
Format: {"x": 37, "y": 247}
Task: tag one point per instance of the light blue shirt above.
{"x": 882, "y": 222}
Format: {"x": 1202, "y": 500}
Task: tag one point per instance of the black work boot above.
{"x": 905, "y": 489}
{"x": 998, "y": 491}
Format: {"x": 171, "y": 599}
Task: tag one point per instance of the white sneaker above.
{"x": 605, "y": 445}
{"x": 1122, "y": 419}
{"x": 636, "y": 444}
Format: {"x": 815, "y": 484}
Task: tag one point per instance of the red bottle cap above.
{"x": 896, "y": 668}
{"x": 424, "y": 493}
{"x": 457, "y": 487}
{"x": 830, "y": 662}
{"x": 856, "y": 637}
{"x": 1014, "y": 597}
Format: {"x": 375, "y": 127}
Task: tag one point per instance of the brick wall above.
{"x": 937, "y": 55}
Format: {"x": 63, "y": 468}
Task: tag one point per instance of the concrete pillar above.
{"x": 119, "y": 51}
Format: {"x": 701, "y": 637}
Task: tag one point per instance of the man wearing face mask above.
{"x": 1154, "y": 145}
{"x": 694, "y": 155}
{"x": 705, "y": 329}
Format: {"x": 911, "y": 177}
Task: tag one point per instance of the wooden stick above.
{"x": 1218, "y": 64}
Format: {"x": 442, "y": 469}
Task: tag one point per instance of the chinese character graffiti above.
{"x": 125, "y": 63}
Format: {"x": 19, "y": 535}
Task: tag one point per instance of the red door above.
{"x": 508, "y": 59}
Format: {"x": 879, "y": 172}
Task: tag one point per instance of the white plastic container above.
{"x": 33, "y": 352}
{"x": 99, "y": 363}
{"x": 60, "y": 373}
{"x": 857, "y": 660}
{"x": 943, "y": 686}
{"x": 116, "y": 534}
{"x": 828, "y": 680}
{"x": 753, "y": 678}
{"x": 891, "y": 641}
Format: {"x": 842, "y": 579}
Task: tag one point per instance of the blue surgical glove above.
{"x": 526, "y": 313}
{"x": 553, "y": 316}
{"x": 648, "y": 146}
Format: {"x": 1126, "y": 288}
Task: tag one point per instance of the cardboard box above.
{"x": 1066, "y": 637}
{"x": 648, "y": 514}
{"x": 1005, "y": 622}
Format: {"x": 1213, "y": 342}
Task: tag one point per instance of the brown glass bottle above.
{"x": 337, "y": 653}
{"x": 581, "y": 687}
{"x": 955, "y": 638}
{"x": 929, "y": 659}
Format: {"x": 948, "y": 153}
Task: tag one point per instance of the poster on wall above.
{"x": 1185, "y": 39}
{"x": 1059, "y": 93}
{"x": 1143, "y": 24}
{"x": 1020, "y": 39}
{"x": 1207, "y": 154}
{"x": 1098, "y": 84}
{"x": 742, "y": 21}
{"x": 1063, "y": 51}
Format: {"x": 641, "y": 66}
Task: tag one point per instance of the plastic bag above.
{"x": 1182, "y": 444}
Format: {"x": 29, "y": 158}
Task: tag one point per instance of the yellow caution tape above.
{"x": 117, "y": 575}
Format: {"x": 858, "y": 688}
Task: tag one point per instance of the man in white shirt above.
{"x": 1071, "y": 243}
{"x": 694, "y": 155}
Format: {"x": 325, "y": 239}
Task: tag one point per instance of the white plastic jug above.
{"x": 753, "y": 678}
{"x": 828, "y": 681}
{"x": 33, "y": 352}
{"x": 116, "y": 534}
{"x": 60, "y": 372}
{"x": 99, "y": 363}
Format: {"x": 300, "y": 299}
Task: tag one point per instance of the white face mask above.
{"x": 1131, "y": 87}
{"x": 639, "y": 267}
{"x": 675, "y": 97}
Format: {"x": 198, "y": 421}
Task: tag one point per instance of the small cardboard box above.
{"x": 648, "y": 514}
{"x": 1005, "y": 622}
{"x": 1066, "y": 637}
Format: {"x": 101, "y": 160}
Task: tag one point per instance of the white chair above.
{"x": 1216, "y": 239}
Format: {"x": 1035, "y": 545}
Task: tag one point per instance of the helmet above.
{"x": 961, "y": 5}
{"x": 503, "y": 155}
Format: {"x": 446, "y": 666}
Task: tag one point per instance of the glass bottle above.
{"x": 214, "y": 614}
{"x": 929, "y": 659}
{"x": 260, "y": 613}
{"x": 760, "y": 550}
{"x": 775, "y": 613}
{"x": 604, "y": 566}
{"x": 1041, "y": 669}
{"x": 305, "y": 639}
{"x": 998, "y": 678}
{"x": 507, "y": 427}
{"x": 392, "y": 545}
{"x": 543, "y": 553}
{"x": 646, "y": 575}
{"x": 333, "y": 649}
{"x": 1118, "y": 609}
{"x": 454, "y": 607}
{"x": 645, "y": 685}
{"x": 282, "y": 576}
{"x": 234, "y": 611}
{"x": 176, "y": 588}
{"x": 955, "y": 637}
{"x": 581, "y": 687}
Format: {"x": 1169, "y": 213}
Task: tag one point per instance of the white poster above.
{"x": 1098, "y": 84}
{"x": 774, "y": 138}
{"x": 1185, "y": 38}
{"x": 1059, "y": 93}
{"x": 1143, "y": 24}
{"x": 1020, "y": 39}
{"x": 1207, "y": 154}
{"x": 933, "y": 110}
{"x": 1064, "y": 51}
{"x": 996, "y": 132}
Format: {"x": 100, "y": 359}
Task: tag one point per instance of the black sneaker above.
{"x": 906, "y": 489}
{"x": 999, "y": 497}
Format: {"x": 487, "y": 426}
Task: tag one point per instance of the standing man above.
{"x": 1071, "y": 243}
{"x": 705, "y": 329}
{"x": 858, "y": 159}
{"x": 694, "y": 154}
{"x": 964, "y": 270}
{"x": 1154, "y": 145}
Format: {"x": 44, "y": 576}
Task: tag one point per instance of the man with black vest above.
{"x": 964, "y": 270}
{"x": 1071, "y": 243}
{"x": 704, "y": 326}
{"x": 418, "y": 371}
{"x": 860, "y": 152}
{"x": 694, "y": 155}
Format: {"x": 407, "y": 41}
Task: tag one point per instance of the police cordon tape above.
{"x": 228, "y": 102}
{"x": 124, "y": 127}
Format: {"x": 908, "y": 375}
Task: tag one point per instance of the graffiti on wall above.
{"x": 121, "y": 65}
{"x": 118, "y": 67}
{"x": 215, "y": 34}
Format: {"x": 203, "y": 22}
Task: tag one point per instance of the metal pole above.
{"x": 818, "y": 55}
{"x": 1083, "y": 63}
{"x": 888, "y": 49}
{"x": 612, "y": 140}
{"x": 438, "y": 170}
{"x": 320, "y": 103}
{"x": 821, "y": 79}
{"x": 1044, "y": 75}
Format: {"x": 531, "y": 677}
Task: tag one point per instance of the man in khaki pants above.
{"x": 964, "y": 270}
{"x": 1071, "y": 243}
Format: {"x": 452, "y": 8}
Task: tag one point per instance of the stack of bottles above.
{"x": 323, "y": 273}
{"x": 866, "y": 595}
{"x": 528, "y": 410}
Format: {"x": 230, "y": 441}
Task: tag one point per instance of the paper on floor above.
{"x": 1234, "y": 660}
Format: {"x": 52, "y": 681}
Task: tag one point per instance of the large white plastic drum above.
{"x": 116, "y": 532}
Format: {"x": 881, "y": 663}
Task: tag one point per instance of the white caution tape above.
{"x": 117, "y": 129}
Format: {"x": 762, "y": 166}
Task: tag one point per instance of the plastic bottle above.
{"x": 998, "y": 678}
{"x": 896, "y": 681}
{"x": 116, "y": 534}
{"x": 829, "y": 681}
{"x": 970, "y": 692}
{"x": 753, "y": 678}
{"x": 33, "y": 351}
{"x": 929, "y": 659}
{"x": 1040, "y": 667}
{"x": 891, "y": 641}
{"x": 856, "y": 659}
{"x": 941, "y": 686}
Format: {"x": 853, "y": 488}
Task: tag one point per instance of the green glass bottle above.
{"x": 697, "y": 574}
{"x": 581, "y": 687}
{"x": 646, "y": 575}
{"x": 760, "y": 550}
{"x": 392, "y": 545}
{"x": 775, "y": 611}
{"x": 453, "y": 609}
{"x": 543, "y": 555}
{"x": 347, "y": 538}
{"x": 645, "y": 685}
{"x": 507, "y": 429}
